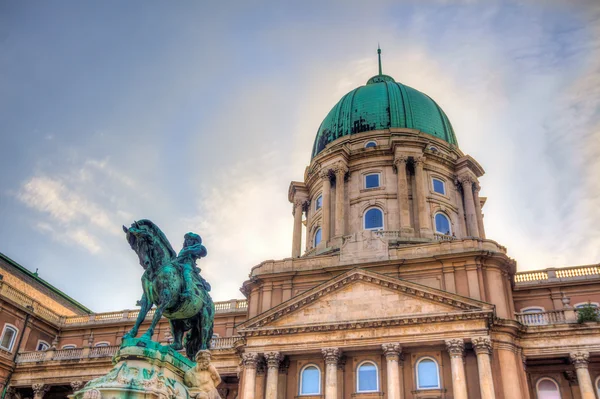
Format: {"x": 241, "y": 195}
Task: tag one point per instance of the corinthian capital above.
{"x": 580, "y": 359}
{"x": 465, "y": 179}
{"x": 392, "y": 350}
{"x": 419, "y": 160}
{"x": 325, "y": 174}
{"x": 482, "y": 345}
{"x": 39, "y": 390}
{"x": 340, "y": 169}
{"x": 331, "y": 355}
{"x": 250, "y": 360}
{"x": 76, "y": 385}
{"x": 455, "y": 347}
{"x": 400, "y": 160}
{"x": 273, "y": 359}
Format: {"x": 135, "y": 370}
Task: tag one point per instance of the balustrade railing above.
{"x": 558, "y": 275}
{"x": 224, "y": 342}
{"x": 443, "y": 237}
{"x": 103, "y": 351}
{"x": 542, "y": 318}
{"x": 68, "y": 354}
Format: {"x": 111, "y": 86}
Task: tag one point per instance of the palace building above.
{"x": 396, "y": 294}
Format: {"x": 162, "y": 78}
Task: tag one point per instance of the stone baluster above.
{"x": 395, "y": 388}
{"x": 483, "y": 350}
{"x": 273, "y": 360}
{"x": 326, "y": 221}
{"x": 456, "y": 349}
{"x": 424, "y": 217}
{"x": 580, "y": 360}
{"x": 76, "y": 385}
{"x": 470, "y": 212}
{"x": 297, "y": 236}
{"x": 39, "y": 390}
{"x": 478, "y": 212}
{"x": 340, "y": 214}
{"x": 332, "y": 357}
{"x": 249, "y": 361}
{"x": 403, "y": 204}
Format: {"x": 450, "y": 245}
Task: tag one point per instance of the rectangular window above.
{"x": 438, "y": 186}
{"x": 319, "y": 203}
{"x": 372, "y": 180}
{"x": 8, "y": 338}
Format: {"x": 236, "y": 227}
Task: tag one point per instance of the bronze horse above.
{"x": 172, "y": 283}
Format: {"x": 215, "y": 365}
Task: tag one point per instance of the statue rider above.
{"x": 192, "y": 250}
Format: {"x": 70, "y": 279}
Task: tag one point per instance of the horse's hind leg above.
{"x": 177, "y": 330}
{"x": 207, "y": 327}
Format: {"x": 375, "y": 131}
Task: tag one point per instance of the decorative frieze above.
{"x": 482, "y": 345}
{"x": 331, "y": 355}
{"x": 455, "y": 347}
{"x": 580, "y": 359}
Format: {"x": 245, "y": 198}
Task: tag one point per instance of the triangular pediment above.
{"x": 361, "y": 298}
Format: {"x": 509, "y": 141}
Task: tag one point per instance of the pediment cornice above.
{"x": 462, "y": 308}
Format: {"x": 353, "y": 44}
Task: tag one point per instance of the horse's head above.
{"x": 149, "y": 243}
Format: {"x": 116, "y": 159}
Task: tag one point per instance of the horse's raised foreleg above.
{"x": 145, "y": 306}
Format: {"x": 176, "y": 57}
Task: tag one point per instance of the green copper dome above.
{"x": 383, "y": 103}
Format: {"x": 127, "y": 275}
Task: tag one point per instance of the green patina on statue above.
{"x": 173, "y": 283}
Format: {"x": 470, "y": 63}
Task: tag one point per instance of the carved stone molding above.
{"x": 325, "y": 174}
{"x": 455, "y": 347}
{"x": 76, "y": 385}
{"x": 400, "y": 160}
{"x": 250, "y": 360}
{"x": 39, "y": 390}
{"x": 273, "y": 359}
{"x": 466, "y": 180}
{"x": 392, "y": 351}
{"x": 331, "y": 355}
{"x": 482, "y": 345}
{"x": 580, "y": 359}
{"x": 340, "y": 170}
{"x": 419, "y": 160}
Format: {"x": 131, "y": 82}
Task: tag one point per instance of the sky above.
{"x": 198, "y": 114}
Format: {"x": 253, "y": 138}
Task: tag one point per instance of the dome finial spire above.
{"x": 379, "y": 56}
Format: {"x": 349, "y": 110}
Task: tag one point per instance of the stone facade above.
{"x": 412, "y": 308}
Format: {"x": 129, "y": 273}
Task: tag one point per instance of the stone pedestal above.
{"x": 142, "y": 369}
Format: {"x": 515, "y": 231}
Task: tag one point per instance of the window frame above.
{"x": 443, "y": 186}
{"x": 68, "y": 346}
{"x": 597, "y": 386}
{"x": 377, "y": 388}
{"x": 581, "y": 304}
{"x": 378, "y": 174}
{"x": 537, "y": 386}
{"x": 300, "y": 393}
{"x": 364, "y": 219}
{"x": 525, "y": 310}
{"x": 437, "y": 368}
{"x": 11, "y": 345}
{"x": 101, "y": 344}
{"x": 369, "y": 142}
{"x": 41, "y": 341}
{"x": 319, "y": 196}
{"x": 317, "y": 230}
{"x": 449, "y": 223}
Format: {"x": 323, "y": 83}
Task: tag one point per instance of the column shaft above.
{"x": 456, "y": 348}
{"x": 297, "y": 237}
{"x": 424, "y": 217}
{"x": 483, "y": 350}
{"x": 273, "y": 359}
{"x": 394, "y": 380}
{"x": 325, "y": 227}
{"x": 332, "y": 356}
{"x": 249, "y": 361}
{"x": 340, "y": 220}
{"x": 469, "y": 201}
{"x": 581, "y": 360}
{"x": 403, "y": 204}
{"x": 478, "y": 212}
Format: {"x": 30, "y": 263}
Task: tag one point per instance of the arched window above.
{"x": 310, "y": 380}
{"x": 99, "y": 344}
{"x": 439, "y": 186}
{"x": 367, "y": 377}
{"x": 70, "y": 346}
{"x": 547, "y": 389}
{"x": 372, "y": 180}
{"x": 42, "y": 345}
{"x": 532, "y": 309}
{"x": 371, "y": 144}
{"x": 319, "y": 203}
{"x": 428, "y": 376}
{"x": 598, "y": 386}
{"x": 317, "y": 239}
{"x": 442, "y": 224}
{"x": 373, "y": 219}
{"x": 584, "y": 304}
{"x": 9, "y": 335}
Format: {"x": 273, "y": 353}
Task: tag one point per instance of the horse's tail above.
{"x": 202, "y": 329}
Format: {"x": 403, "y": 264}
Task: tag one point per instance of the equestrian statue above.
{"x": 172, "y": 282}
